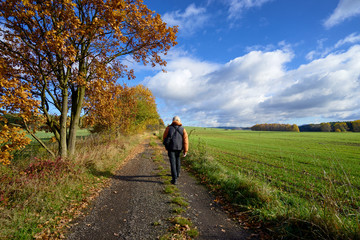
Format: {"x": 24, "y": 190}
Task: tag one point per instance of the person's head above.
{"x": 176, "y": 118}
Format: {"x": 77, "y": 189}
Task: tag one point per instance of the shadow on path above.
{"x": 138, "y": 178}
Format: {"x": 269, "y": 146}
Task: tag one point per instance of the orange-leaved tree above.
{"x": 15, "y": 96}
{"x": 146, "y": 110}
{"x": 59, "y": 49}
{"x": 121, "y": 109}
{"x": 109, "y": 110}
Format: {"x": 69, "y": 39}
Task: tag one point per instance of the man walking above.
{"x": 179, "y": 141}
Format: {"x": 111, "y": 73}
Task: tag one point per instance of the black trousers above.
{"x": 174, "y": 157}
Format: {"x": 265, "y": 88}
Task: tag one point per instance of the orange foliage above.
{"x": 63, "y": 50}
{"x": 15, "y": 96}
{"x": 340, "y": 127}
{"x": 120, "y": 108}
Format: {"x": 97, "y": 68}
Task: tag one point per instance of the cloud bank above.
{"x": 258, "y": 88}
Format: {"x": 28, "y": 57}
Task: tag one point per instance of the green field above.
{"x": 34, "y": 149}
{"x": 318, "y": 169}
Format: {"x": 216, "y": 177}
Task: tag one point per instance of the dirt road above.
{"x": 136, "y": 207}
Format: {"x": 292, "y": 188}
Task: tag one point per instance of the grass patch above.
{"x": 181, "y": 221}
{"x": 179, "y": 201}
{"x": 178, "y": 210}
{"x": 157, "y": 223}
{"x": 183, "y": 228}
{"x": 160, "y": 168}
{"x": 153, "y": 143}
{"x": 171, "y": 189}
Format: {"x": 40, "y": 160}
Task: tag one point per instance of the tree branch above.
{"x": 38, "y": 140}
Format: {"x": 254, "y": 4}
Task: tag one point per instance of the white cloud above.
{"x": 257, "y": 88}
{"x": 183, "y": 80}
{"x": 236, "y": 7}
{"x": 325, "y": 87}
{"x": 321, "y": 51}
{"x": 189, "y": 21}
{"x": 344, "y": 10}
{"x": 352, "y": 38}
{"x": 223, "y": 92}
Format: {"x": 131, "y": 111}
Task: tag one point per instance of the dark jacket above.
{"x": 177, "y": 136}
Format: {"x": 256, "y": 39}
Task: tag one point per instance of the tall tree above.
{"x": 62, "y": 48}
{"x": 146, "y": 112}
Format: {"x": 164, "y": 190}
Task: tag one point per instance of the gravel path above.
{"x": 135, "y": 207}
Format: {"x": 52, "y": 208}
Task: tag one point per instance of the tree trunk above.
{"x": 63, "y": 118}
{"x": 77, "y": 102}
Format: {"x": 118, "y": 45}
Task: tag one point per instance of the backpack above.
{"x": 168, "y": 141}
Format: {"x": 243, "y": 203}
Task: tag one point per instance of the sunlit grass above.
{"x": 307, "y": 179}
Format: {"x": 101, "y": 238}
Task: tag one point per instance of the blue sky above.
{"x": 242, "y": 62}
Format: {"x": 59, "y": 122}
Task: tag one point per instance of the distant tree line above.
{"x": 349, "y": 126}
{"x": 275, "y": 127}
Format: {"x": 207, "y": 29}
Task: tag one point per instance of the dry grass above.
{"x": 40, "y": 196}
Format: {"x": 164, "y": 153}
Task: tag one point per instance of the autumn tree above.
{"x": 109, "y": 109}
{"x": 275, "y": 127}
{"x": 325, "y": 127}
{"x": 295, "y": 128}
{"x": 340, "y": 127}
{"x": 59, "y": 50}
{"x": 356, "y": 125}
{"x": 123, "y": 109}
{"x": 15, "y": 96}
{"x": 146, "y": 112}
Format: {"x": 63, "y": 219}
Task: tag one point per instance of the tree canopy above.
{"x": 126, "y": 110}
{"x": 275, "y": 127}
{"x": 57, "y": 51}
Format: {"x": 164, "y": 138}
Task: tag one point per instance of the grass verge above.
{"x": 39, "y": 196}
